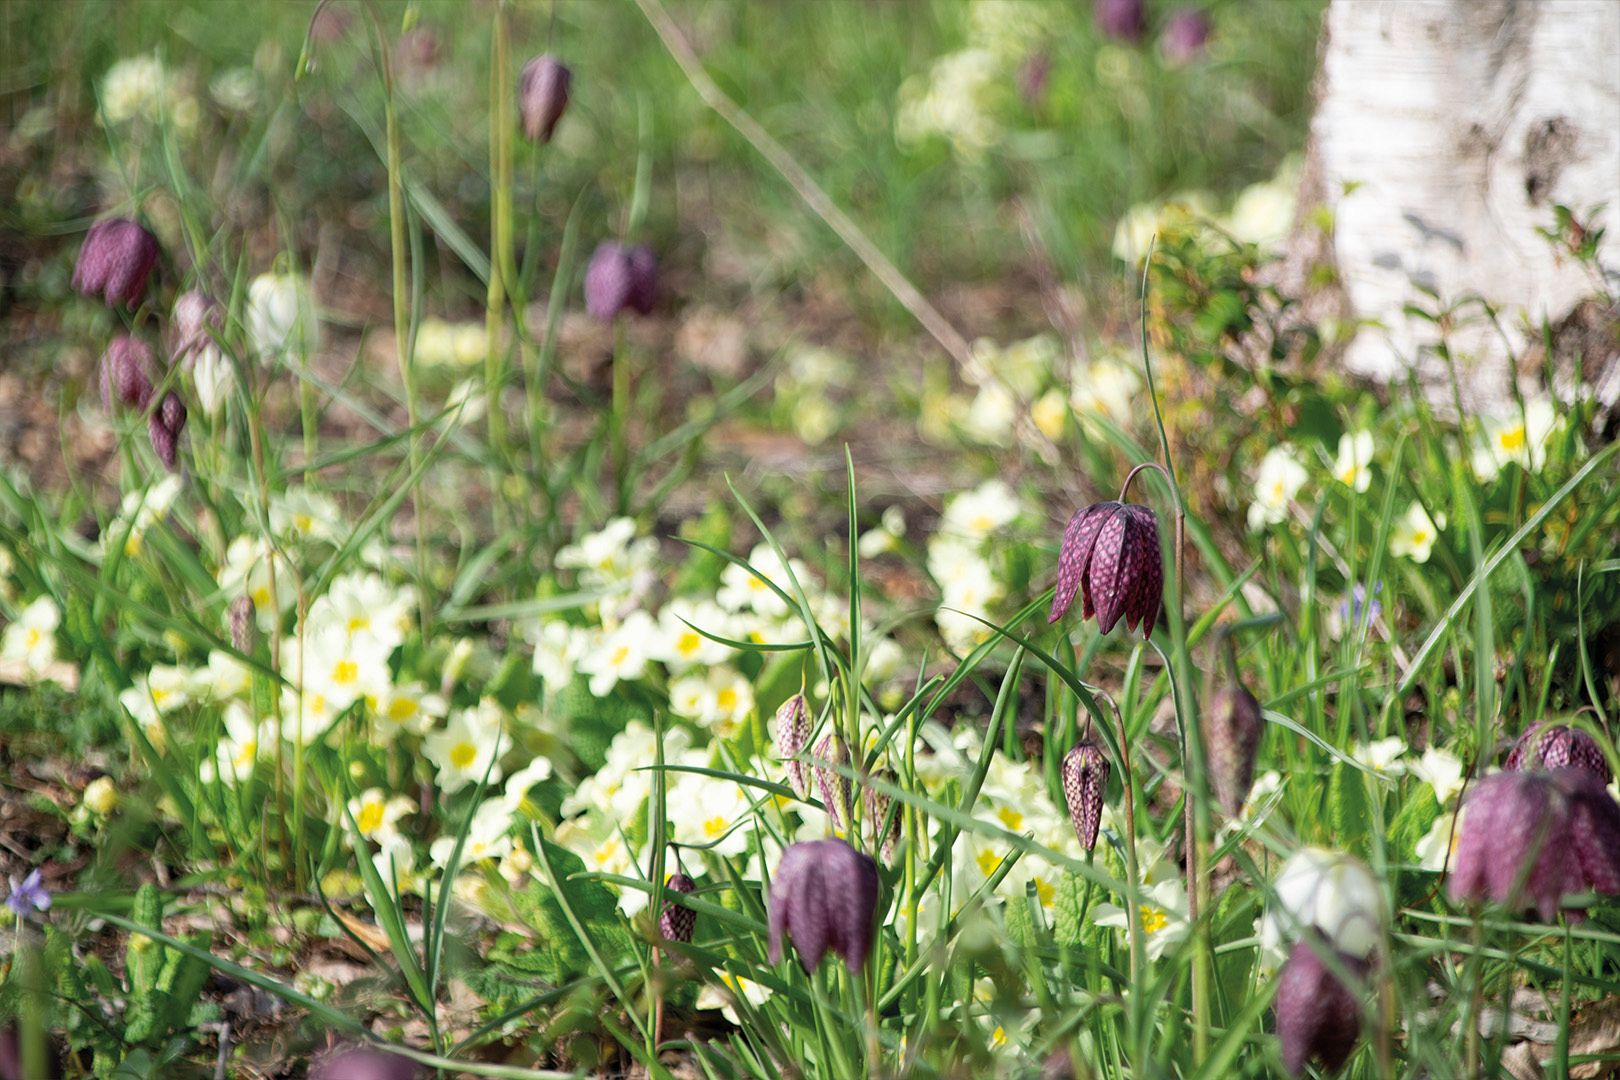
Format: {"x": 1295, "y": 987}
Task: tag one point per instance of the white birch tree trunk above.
{"x": 1445, "y": 132}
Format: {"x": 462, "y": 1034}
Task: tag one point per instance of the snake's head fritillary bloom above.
{"x": 126, "y": 373}
{"x": 620, "y": 278}
{"x": 1085, "y": 779}
{"x": 835, "y": 788}
{"x": 1232, "y": 730}
{"x": 1111, "y": 557}
{"x": 792, "y": 734}
{"x": 1318, "y": 1016}
{"x": 115, "y": 262}
{"x": 362, "y": 1063}
{"x": 677, "y": 921}
{"x": 824, "y": 898}
{"x": 542, "y": 96}
{"x": 1122, "y": 20}
{"x": 1515, "y": 842}
{"x": 164, "y": 426}
{"x": 1555, "y": 746}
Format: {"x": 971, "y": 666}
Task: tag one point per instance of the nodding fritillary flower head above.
{"x": 1186, "y": 33}
{"x": 542, "y": 96}
{"x": 619, "y": 278}
{"x": 1122, "y": 20}
{"x": 1318, "y": 1016}
{"x": 792, "y": 734}
{"x": 1528, "y": 839}
{"x": 240, "y": 617}
{"x": 824, "y": 898}
{"x": 884, "y": 831}
{"x": 164, "y": 426}
{"x": 362, "y": 1063}
{"x": 1554, "y": 746}
{"x": 1111, "y": 557}
{"x": 1232, "y": 730}
{"x": 835, "y": 788}
{"x": 125, "y": 368}
{"x": 676, "y": 921}
{"x": 1085, "y": 778}
{"x": 196, "y": 318}
{"x": 115, "y": 262}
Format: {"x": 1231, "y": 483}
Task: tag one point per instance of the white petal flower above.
{"x": 1280, "y": 477}
{"x": 466, "y": 747}
{"x": 1351, "y": 467}
{"x": 31, "y": 640}
{"x": 1414, "y": 534}
{"x": 1330, "y": 891}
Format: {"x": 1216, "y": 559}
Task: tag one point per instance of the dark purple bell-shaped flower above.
{"x": 824, "y": 897}
{"x": 620, "y": 277}
{"x": 126, "y": 373}
{"x": 164, "y": 426}
{"x": 363, "y": 1063}
{"x": 1554, "y": 746}
{"x": 1186, "y": 33}
{"x": 1528, "y": 839}
{"x": 1594, "y": 830}
{"x": 792, "y": 734}
{"x": 1232, "y": 730}
{"x": 677, "y": 921}
{"x": 1085, "y": 779}
{"x": 1318, "y": 1017}
{"x": 115, "y": 262}
{"x": 835, "y": 787}
{"x": 542, "y": 96}
{"x": 1122, "y": 20}
{"x": 1110, "y": 555}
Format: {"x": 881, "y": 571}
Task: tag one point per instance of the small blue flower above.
{"x": 1356, "y": 611}
{"x": 31, "y": 893}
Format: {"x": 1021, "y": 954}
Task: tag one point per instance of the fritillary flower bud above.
{"x": 164, "y": 426}
{"x": 240, "y": 617}
{"x": 542, "y": 96}
{"x": 125, "y": 378}
{"x": 1110, "y": 555}
{"x": 1122, "y": 20}
{"x": 362, "y": 1063}
{"x": 1085, "y": 779}
{"x": 1232, "y": 730}
{"x": 878, "y": 804}
{"x": 835, "y": 788}
{"x": 1186, "y": 33}
{"x": 618, "y": 278}
{"x": 115, "y": 262}
{"x": 1318, "y": 1016}
{"x": 792, "y": 734}
{"x": 677, "y": 921}
{"x": 824, "y": 897}
{"x": 1554, "y": 746}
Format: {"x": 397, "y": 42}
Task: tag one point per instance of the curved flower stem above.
{"x": 1196, "y": 817}
{"x": 1133, "y": 922}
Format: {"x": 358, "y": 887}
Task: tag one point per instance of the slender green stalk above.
{"x": 500, "y": 240}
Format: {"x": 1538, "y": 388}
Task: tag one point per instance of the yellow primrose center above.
{"x": 1153, "y": 919}
{"x": 359, "y": 622}
{"x": 345, "y": 672}
{"x": 1512, "y": 439}
{"x": 727, "y": 699}
{"x": 606, "y": 853}
{"x": 463, "y": 754}
{"x": 303, "y": 522}
{"x": 33, "y": 637}
{"x": 1045, "y": 892}
{"x": 689, "y": 643}
{"x": 401, "y": 709}
{"x": 998, "y": 1037}
{"x": 261, "y": 596}
{"x": 982, "y": 523}
{"x": 988, "y": 861}
{"x": 620, "y": 655}
{"x": 370, "y": 817}
{"x": 1011, "y": 818}
{"x": 246, "y": 756}
{"x": 714, "y": 826}
{"x": 159, "y": 694}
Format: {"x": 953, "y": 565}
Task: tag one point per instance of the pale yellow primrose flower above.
{"x": 1351, "y": 467}
{"x": 1414, "y": 534}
